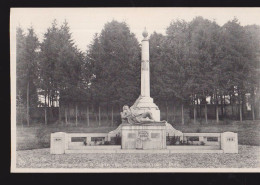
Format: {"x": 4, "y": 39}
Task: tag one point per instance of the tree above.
{"x": 236, "y": 60}
{"x": 114, "y": 57}
{"x": 60, "y": 69}
{"x": 27, "y": 68}
{"x": 20, "y": 65}
{"x": 50, "y": 48}
{"x": 175, "y": 61}
{"x": 253, "y": 36}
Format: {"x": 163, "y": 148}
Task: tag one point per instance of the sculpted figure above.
{"x": 130, "y": 116}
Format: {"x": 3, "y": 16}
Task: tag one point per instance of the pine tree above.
{"x": 176, "y": 76}
{"x": 27, "y": 68}
{"x": 114, "y": 57}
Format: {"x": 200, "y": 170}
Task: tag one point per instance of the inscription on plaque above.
{"x": 230, "y": 139}
{"x": 143, "y": 135}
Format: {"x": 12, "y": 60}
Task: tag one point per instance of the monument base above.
{"x": 146, "y": 136}
{"x": 144, "y": 104}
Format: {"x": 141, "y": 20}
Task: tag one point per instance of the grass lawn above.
{"x": 37, "y": 136}
{"x": 248, "y": 157}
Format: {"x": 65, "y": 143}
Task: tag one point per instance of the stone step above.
{"x": 103, "y": 147}
{"x": 189, "y": 147}
{"x": 142, "y": 151}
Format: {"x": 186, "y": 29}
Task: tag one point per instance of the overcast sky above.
{"x": 85, "y": 22}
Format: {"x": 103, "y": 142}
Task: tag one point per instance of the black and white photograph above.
{"x": 135, "y": 89}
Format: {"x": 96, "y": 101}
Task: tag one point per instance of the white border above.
{"x": 80, "y": 170}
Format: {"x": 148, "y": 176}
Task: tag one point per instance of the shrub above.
{"x": 202, "y": 143}
{"x": 118, "y": 140}
{"x": 106, "y": 143}
{"x": 174, "y": 139}
{"x": 43, "y": 138}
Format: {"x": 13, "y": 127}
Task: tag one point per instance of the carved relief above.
{"x": 145, "y": 65}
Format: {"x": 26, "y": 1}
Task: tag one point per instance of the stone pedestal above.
{"x": 59, "y": 143}
{"x": 145, "y": 104}
{"x": 229, "y": 142}
{"x": 146, "y": 136}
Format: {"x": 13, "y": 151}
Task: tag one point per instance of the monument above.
{"x": 141, "y": 125}
{"x": 142, "y": 129}
{"x": 145, "y": 103}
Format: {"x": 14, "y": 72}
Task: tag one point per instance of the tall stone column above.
{"x": 145, "y": 67}
{"x": 145, "y": 103}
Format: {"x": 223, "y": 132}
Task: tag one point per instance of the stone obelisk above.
{"x": 145, "y": 103}
{"x": 145, "y": 67}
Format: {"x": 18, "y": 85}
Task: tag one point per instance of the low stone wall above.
{"x": 61, "y": 142}
{"x": 202, "y": 138}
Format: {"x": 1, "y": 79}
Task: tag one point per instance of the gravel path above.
{"x": 248, "y": 157}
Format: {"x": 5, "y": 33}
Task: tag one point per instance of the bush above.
{"x": 202, "y": 143}
{"x": 43, "y": 138}
{"x": 174, "y": 139}
{"x": 118, "y": 140}
{"x": 106, "y": 143}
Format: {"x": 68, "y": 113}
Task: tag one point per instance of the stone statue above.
{"x": 130, "y": 116}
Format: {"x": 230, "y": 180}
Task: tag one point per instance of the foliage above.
{"x": 114, "y": 58}
{"x": 192, "y": 62}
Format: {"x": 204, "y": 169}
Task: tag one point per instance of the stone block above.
{"x": 229, "y": 142}
{"x": 150, "y": 136}
{"x": 59, "y": 143}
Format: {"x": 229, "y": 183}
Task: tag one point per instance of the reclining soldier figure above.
{"x": 130, "y": 116}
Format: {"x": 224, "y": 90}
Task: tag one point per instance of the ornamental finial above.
{"x": 145, "y": 33}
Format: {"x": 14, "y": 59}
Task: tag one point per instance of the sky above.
{"x": 85, "y": 22}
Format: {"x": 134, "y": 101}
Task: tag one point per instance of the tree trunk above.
{"x": 112, "y": 117}
{"x": 243, "y": 103}
{"x": 88, "y": 116}
{"x": 167, "y": 111}
{"x": 173, "y": 112}
{"x": 253, "y": 112}
{"x": 253, "y": 104}
{"x": 107, "y": 114}
{"x": 197, "y": 107}
{"x": 194, "y": 113}
{"x": 28, "y": 106}
{"x": 216, "y": 107}
{"x": 68, "y": 113}
{"x": 240, "y": 112}
{"x": 240, "y": 109}
{"x": 217, "y": 117}
{"x": 66, "y": 116}
{"x": 182, "y": 114}
{"x": 76, "y": 114}
{"x": 224, "y": 102}
{"x": 99, "y": 116}
{"x": 200, "y": 110}
{"x": 59, "y": 114}
{"x": 206, "y": 113}
{"x": 232, "y": 106}
{"x": 221, "y": 101}
{"x": 45, "y": 109}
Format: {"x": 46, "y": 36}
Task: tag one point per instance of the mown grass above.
{"x": 38, "y": 136}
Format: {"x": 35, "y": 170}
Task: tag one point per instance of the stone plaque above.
{"x": 143, "y": 135}
{"x": 131, "y": 135}
{"x": 155, "y": 135}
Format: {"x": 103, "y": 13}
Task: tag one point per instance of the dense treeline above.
{"x": 196, "y": 63}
